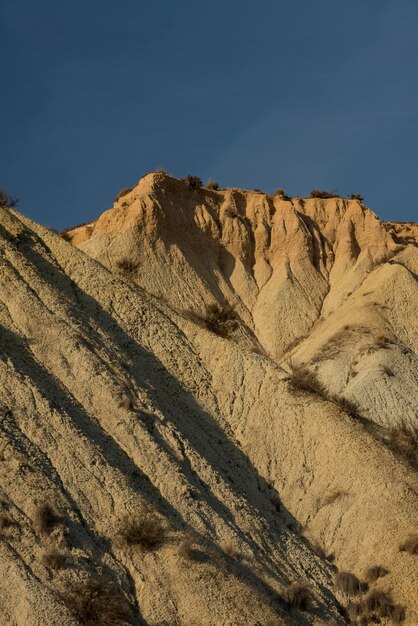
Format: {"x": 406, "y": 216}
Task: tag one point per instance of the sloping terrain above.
{"x": 319, "y": 282}
{"x": 116, "y": 396}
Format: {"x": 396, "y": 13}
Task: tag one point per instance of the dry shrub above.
{"x": 127, "y": 403}
{"x": 356, "y": 196}
{"x": 297, "y": 596}
{"x": 221, "y": 320}
{"x": 97, "y": 603}
{"x": 374, "y": 573}
{"x": 381, "y": 340}
{"x": 230, "y": 548}
{"x": 258, "y": 190}
{"x": 193, "y": 182}
{"x": 403, "y": 441}
{"x": 319, "y": 193}
{"x": 387, "y": 371}
{"x": 123, "y": 192}
{"x": 212, "y": 184}
{"x": 5, "y": 521}
{"x": 186, "y": 548}
{"x": 281, "y": 194}
{"x": 229, "y": 212}
{"x": 145, "y": 530}
{"x": 126, "y": 266}
{"x": 161, "y": 170}
{"x": 349, "y": 583}
{"x": 7, "y": 201}
{"x": 410, "y": 544}
{"x": 380, "y": 603}
{"x": 45, "y": 519}
{"x": 304, "y": 379}
{"x": 53, "y": 559}
{"x": 348, "y": 406}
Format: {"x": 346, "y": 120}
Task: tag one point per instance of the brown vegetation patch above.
{"x": 297, "y": 596}
{"x": 193, "y": 182}
{"x": 97, "y": 603}
{"x": 374, "y": 573}
{"x": 53, "y": 559}
{"x": 304, "y": 379}
{"x": 221, "y": 320}
{"x": 349, "y": 583}
{"x": 144, "y": 530}
{"x": 45, "y": 519}
{"x": 403, "y": 441}
{"x": 123, "y": 192}
{"x": 410, "y": 544}
{"x": 126, "y": 266}
{"x": 213, "y": 185}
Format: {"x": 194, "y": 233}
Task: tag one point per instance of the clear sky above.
{"x": 299, "y": 94}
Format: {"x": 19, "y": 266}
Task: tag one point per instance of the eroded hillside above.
{"x": 184, "y": 478}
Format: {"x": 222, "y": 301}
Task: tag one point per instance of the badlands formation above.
{"x": 209, "y": 413}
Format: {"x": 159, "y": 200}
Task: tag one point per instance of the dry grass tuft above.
{"x": 5, "y": 521}
{"x": 145, "y": 530}
{"x": 186, "y": 548}
{"x": 97, "y": 603}
{"x": 123, "y": 192}
{"x": 410, "y": 544}
{"x": 319, "y": 193}
{"x": 356, "y": 196}
{"x": 349, "y": 583}
{"x": 380, "y": 603}
{"x": 297, "y": 596}
{"x": 212, "y": 184}
{"x": 230, "y": 548}
{"x": 403, "y": 441}
{"x": 127, "y": 403}
{"x": 193, "y": 182}
{"x": 221, "y": 320}
{"x": 53, "y": 559}
{"x": 374, "y": 573}
{"x": 303, "y": 379}
{"x": 7, "y": 201}
{"x": 126, "y": 266}
{"x": 45, "y": 519}
{"x": 348, "y": 406}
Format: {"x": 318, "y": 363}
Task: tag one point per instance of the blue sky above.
{"x": 282, "y": 93}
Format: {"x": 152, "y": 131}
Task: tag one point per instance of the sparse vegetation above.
{"x": 186, "y": 548}
{"x": 221, "y": 320}
{"x": 356, "y": 196}
{"x": 97, "y": 603}
{"x": 281, "y": 194}
{"x": 349, "y": 583}
{"x": 126, "y": 266}
{"x": 410, "y": 544}
{"x": 45, "y": 519}
{"x": 7, "y": 201}
{"x": 230, "y": 548}
{"x": 319, "y": 193}
{"x": 53, "y": 559}
{"x": 212, "y": 184}
{"x": 229, "y": 212}
{"x": 374, "y": 573}
{"x": 144, "y": 530}
{"x": 403, "y": 441}
{"x": 127, "y": 403}
{"x": 297, "y": 596}
{"x": 193, "y": 182}
{"x": 123, "y": 192}
{"x": 348, "y": 406}
{"x": 258, "y": 190}
{"x": 304, "y": 379}
{"x": 5, "y": 522}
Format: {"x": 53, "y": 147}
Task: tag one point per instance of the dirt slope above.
{"x": 322, "y": 282}
{"x": 111, "y": 397}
